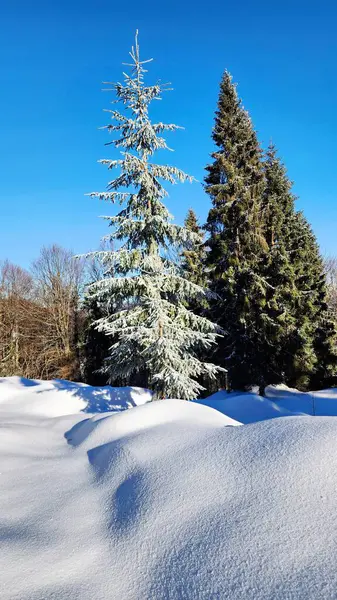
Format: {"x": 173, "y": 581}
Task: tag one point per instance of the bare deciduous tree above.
{"x": 59, "y": 281}
{"x": 39, "y": 316}
{"x": 16, "y": 294}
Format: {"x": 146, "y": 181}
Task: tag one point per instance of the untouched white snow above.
{"x": 246, "y": 407}
{"x": 322, "y": 403}
{"x": 167, "y": 501}
{"x": 58, "y": 397}
{"x": 279, "y": 401}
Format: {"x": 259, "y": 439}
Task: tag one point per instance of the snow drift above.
{"x": 169, "y": 500}
{"x": 59, "y": 397}
{"x": 279, "y": 401}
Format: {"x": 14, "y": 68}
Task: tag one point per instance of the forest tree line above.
{"x": 47, "y": 326}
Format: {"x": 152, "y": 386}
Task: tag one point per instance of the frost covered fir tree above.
{"x": 237, "y": 246}
{"x": 156, "y": 333}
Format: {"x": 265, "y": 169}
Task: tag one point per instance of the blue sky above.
{"x": 55, "y": 53}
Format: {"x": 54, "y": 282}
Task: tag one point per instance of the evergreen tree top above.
{"x": 279, "y": 200}
{"x": 191, "y": 221}
{"x": 136, "y": 131}
{"x": 275, "y": 167}
{"x": 231, "y": 117}
{"x": 144, "y": 222}
{"x": 234, "y": 181}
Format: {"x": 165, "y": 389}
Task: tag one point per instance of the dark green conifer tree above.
{"x": 237, "y": 244}
{"x": 299, "y": 346}
{"x": 194, "y": 253}
{"x": 279, "y": 273}
{"x": 95, "y": 345}
{"x": 315, "y": 359}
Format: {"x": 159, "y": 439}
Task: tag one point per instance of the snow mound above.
{"x": 167, "y": 501}
{"x": 218, "y": 512}
{"x": 106, "y": 428}
{"x": 59, "y": 397}
{"x": 164, "y": 501}
{"x": 247, "y": 407}
{"x": 279, "y": 401}
{"x": 322, "y": 403}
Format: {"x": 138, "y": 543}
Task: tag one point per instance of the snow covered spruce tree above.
{"x": 156, "y": 333}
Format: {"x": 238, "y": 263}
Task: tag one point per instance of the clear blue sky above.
{"x": 55, "y": 53}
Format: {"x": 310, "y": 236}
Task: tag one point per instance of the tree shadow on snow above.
{"x": 20, "y": 380}
{"x": 101, "y": 399}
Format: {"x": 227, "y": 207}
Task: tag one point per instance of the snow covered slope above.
{"x": 66, "y": 397}
{"x": 167, "y": 501}
{"x": 246, "y": 407}
{"x": 279, "y": 401}
{"x": 59, "y": 397}
{"x": 322, "y": 403}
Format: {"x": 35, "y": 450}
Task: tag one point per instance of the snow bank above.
{"x": 279, "y": 401}
{"x": 222, "y": 512}
{"x": 167, "y": 501}
{"x": 322, "y": 403}
{"x": 245, "y": 407}
{"x": 102, "y": 428}
{"x": 58, "y": 397}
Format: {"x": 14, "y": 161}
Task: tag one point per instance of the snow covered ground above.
{"x": 167, "y": 501}
{"x": 279, "y": 401}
